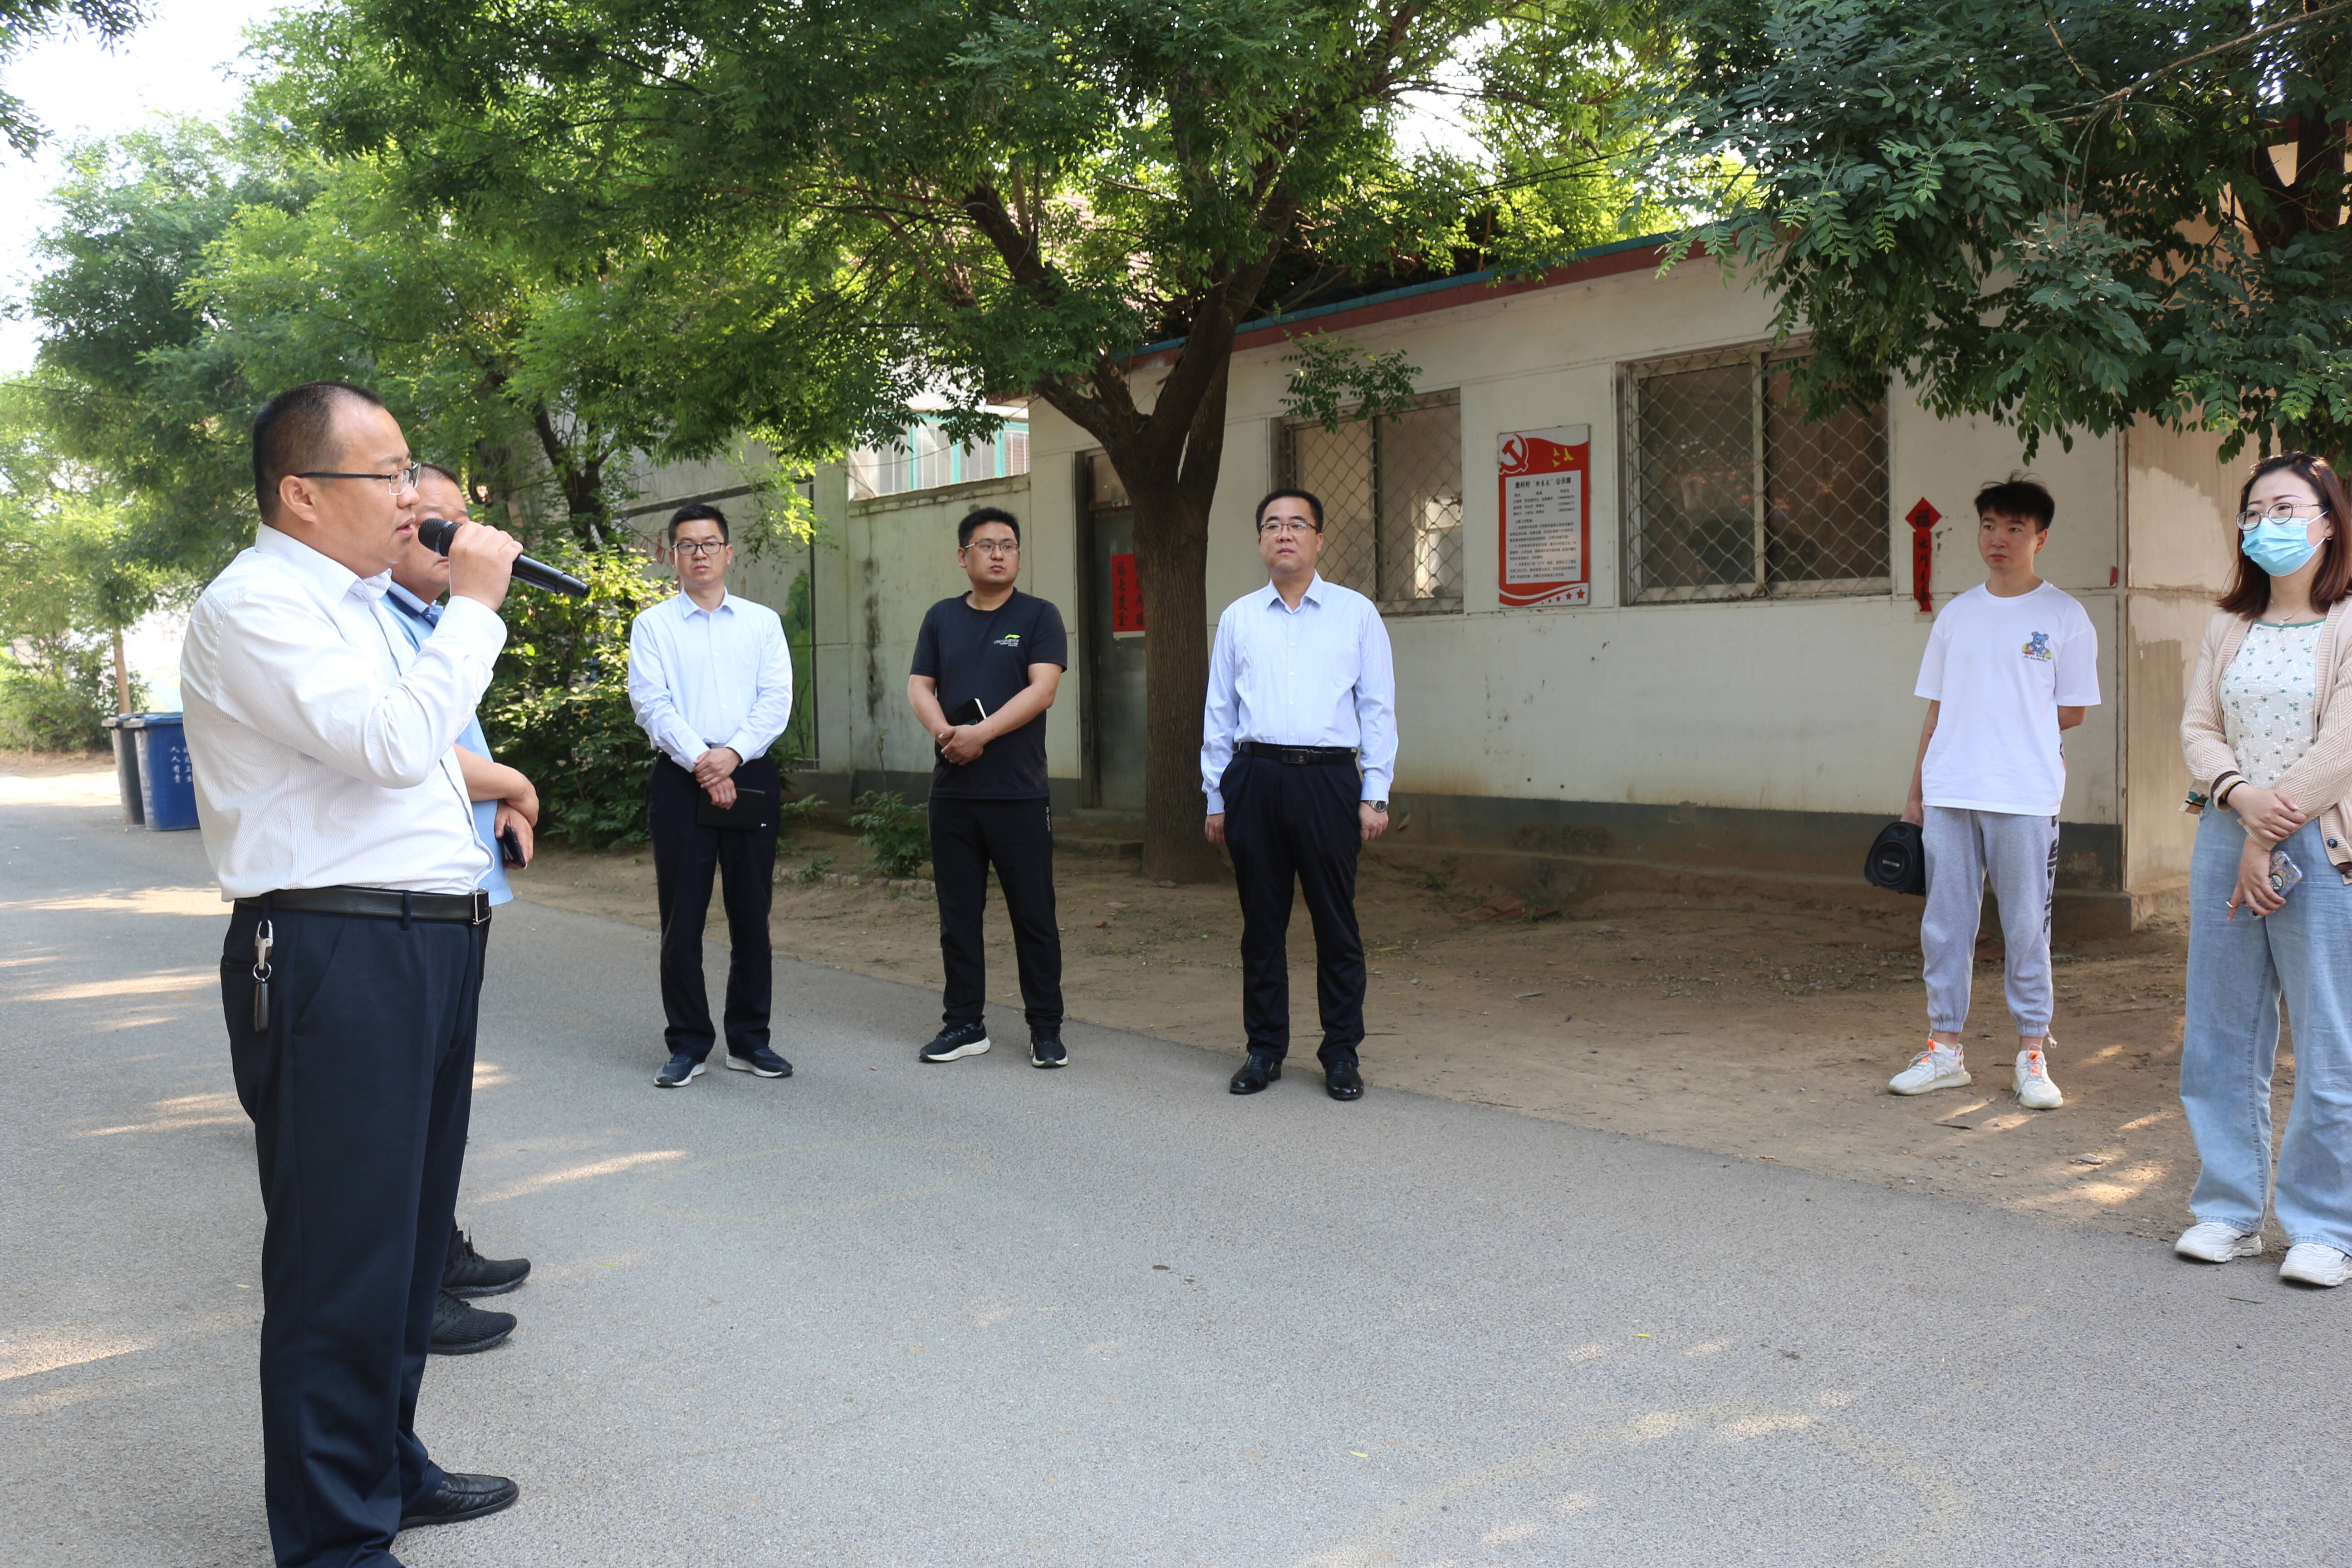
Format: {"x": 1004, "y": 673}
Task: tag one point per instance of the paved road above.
{"x": 884, "y": 1313}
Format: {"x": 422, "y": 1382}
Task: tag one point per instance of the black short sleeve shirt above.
{"x": 986, "y": 654}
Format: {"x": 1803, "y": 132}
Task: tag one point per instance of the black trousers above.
{"x": 687, "y": 856}
{"x": 1017, "y": 836}
{"x": 1286, "y": 825}
{"x": 358, "y": 1090}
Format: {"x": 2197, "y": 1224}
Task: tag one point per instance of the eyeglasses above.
{"x": 399, "y": 479}
{"x": 1287, "y": 525}
{"x": 699, "y": 546}
{"x": 995, "y": 546}
{"x": 2277, "y": 511}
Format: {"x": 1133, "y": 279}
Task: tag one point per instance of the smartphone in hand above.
{"x": 510, "y": 848}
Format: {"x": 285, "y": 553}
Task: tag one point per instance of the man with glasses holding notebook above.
{"x": 987, "y": 664}
{"x": 711, "y": 680}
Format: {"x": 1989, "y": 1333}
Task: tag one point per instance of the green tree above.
{"x": 804, "y": 220}
{"x": 134, "y": 383}
{"x": 471, "y": 343}
{"x": 23, "y": 23}
{"x": 2064, "y": 216}
{"x": 68, "y": 588}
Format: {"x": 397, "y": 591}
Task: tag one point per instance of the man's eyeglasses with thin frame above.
{"x": 2278, "y": 512}
{"x": 1286, "y": 525}
{"x": 995, "y": 546}
{"x": 399, "y": 479}
{"x": 697, "y": 546}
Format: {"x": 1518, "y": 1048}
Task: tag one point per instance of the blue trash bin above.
{"x": 167, "y": 783}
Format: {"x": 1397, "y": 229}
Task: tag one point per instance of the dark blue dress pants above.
{"x": 687, "y": 858}
{"x": 358, "y": 1090}
{"x": 1297, "y": 826}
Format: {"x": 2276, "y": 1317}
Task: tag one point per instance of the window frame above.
{"x": 1286, "y": 468}
{"x": 1763, "y": 359}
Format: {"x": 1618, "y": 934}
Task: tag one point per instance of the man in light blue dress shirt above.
{"x": 710, "y": 680}
{"x": 1297, "y": 747}
{"x": 504, "y": 800}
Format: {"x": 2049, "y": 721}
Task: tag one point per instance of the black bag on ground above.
{"x": 1898, "y": 860}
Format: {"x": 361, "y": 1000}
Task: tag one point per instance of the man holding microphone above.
{"x": 335, "y": 814}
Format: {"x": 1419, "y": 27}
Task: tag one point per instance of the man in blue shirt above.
{"x": 1297, "y": 747}
{"x": 504, "y": 801}
{"x": 711, "y": 680}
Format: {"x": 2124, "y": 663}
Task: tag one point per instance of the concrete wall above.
{"x": 2177, "y": 497}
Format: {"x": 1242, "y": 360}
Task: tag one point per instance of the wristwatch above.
{"x": 1380, "y": 805}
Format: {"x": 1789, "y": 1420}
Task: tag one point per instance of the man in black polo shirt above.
{"x": 987, "y": 664}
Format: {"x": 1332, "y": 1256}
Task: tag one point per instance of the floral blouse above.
{"x": 2268, "y": 696}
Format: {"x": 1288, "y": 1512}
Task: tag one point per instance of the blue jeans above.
{"x": 2237, "y": 972}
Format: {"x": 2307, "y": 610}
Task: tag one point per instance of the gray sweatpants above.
{"x": 2020, "y": 854}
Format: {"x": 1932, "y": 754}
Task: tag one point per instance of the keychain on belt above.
{"x": 264, "y": 939}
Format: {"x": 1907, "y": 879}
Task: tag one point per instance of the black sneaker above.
{"x": 469, "y": 1273}
{"x": 460, "y": 1328}
{"x": 958, "y": 1040}
{"x": 760, "y": 1060}
{"x": 1045, "y": 1051}
{"x": 677, "y": 1072}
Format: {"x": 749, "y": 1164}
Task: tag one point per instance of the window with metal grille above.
{"x": 1391, "y": 493}
{"x": 1731, "y": 494}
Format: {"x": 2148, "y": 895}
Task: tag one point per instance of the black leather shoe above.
{"x": 462, "y": 1497}
{"x": 460, "y": 1328}
{"x": 1256, "y": 1073}
{"x": 1343, "y": 1081}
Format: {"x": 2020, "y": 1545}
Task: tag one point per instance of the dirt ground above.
{"x": 1744, "y": 1027}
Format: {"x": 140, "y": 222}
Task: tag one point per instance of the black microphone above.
{"x": 435, "y": 534}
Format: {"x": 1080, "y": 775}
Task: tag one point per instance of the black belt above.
{"x": 1297, "y": 756}
{"x": 380, "y": 903}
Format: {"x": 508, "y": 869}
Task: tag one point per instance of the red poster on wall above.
{"x": 1545, "y": 507}
{"x": 1126, "y": 597}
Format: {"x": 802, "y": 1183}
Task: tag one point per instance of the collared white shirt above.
{"x": 1319, "y": 675}
{"x": 699, "y": 679}
{"x": 322, "y": 755}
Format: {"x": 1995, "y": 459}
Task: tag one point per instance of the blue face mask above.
{"x": 2279, "y": 548}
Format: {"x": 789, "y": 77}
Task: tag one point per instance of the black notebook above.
{"x": 749, "y": 810}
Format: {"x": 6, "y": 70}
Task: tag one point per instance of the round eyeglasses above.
{"x": 2277, "y": 511}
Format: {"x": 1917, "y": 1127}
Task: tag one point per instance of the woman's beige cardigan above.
{"x": 2323, "y": 775}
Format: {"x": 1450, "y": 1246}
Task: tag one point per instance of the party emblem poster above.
{"x": 1546, "y": 507}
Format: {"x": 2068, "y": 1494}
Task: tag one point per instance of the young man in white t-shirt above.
{"x": 2009, "y": 666}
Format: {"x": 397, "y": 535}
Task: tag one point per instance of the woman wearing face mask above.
{"x": 2268, "y": 736}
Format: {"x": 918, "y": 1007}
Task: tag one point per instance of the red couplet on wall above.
{"x": 1126, "y": 595}
{"x": 1923, "y": 520}
{"x": 1545, "y": 510}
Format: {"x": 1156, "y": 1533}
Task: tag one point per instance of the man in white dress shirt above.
{"x": 336, "y": 817}
{"x": 710, "y": 680}
{"x": 1297, "y": 747}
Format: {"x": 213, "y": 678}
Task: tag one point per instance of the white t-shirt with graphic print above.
{"x": 2002, "y": 668}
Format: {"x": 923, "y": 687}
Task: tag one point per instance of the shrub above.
{"x": 557, "y": 707}
{"x": 896, "y": 834}
{"x": 54, "y": 702}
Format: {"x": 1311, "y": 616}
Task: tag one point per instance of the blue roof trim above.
{"x": 1491, "y": 275}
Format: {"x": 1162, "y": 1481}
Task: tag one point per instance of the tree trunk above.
{"x": 1171, "y": 558}
{"x": 121, "y": 676}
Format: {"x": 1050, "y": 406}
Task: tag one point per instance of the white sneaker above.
{"x": 2211, "y": 1241}
{"x": 1938, "y": 1067}
{"x": 2034, "y": 1089}
{"x": 2315, "y": 1263}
